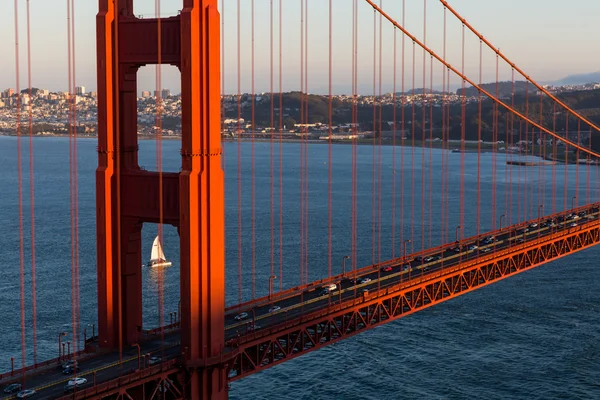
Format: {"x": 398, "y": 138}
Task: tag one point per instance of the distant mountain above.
{"x": 579, "y": 79}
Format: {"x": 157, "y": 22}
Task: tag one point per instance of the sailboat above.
{"x": 157, "y": 256}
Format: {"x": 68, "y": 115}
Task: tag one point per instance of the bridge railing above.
{"x": 415, "y": 280}
{"x": 297, "y": 290}
{"x": 15, "y": 373}
{"x": 166, "y": 367}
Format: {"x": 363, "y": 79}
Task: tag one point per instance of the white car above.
{"x": 365, "y": 280}
{"x": 274, "y": 308}
{"x": 241, "y": 316}
{"x": 23, "y": 394}
{"x": 76, "y": 381}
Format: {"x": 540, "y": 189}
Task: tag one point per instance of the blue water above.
{"x": 532, "y": 336}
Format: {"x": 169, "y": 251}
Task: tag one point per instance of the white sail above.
{"x": 157, "y": 256}
{"x": 157, "y": 251}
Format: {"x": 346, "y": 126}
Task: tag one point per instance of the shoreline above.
{"x": 469, "y": 148}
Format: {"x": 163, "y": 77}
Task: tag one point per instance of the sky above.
{"x": 548, "y": 39}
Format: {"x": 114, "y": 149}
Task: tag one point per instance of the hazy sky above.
{"x": 549, "y": 39}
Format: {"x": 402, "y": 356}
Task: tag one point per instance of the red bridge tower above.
{"x": 192, "y": 200}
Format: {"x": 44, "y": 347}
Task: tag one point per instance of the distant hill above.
{"x": 579, "y": 79}
{"x": 505, "y": 88}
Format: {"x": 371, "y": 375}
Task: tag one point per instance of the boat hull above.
{"x": 159, "y": 264}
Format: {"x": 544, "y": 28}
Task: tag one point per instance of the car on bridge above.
{"x": 73, "y": 383}
{"x": 23, "y": 394}
{"x": 154, "y": 360}
{"x": 67, "y": 364}
{"x": 274, "y": 309}
{"x": 241, "y": 316}
{"x": 13, "y": 387}
{"x": 70, "y": 370}
{"x": 387, "y": 268}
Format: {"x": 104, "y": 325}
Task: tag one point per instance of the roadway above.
{"x": 50, "y": 382}
{"x": 353, "y": 286}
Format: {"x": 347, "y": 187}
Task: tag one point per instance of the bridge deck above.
{"x": 308, "y": 318}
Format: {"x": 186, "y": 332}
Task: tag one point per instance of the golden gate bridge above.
{"x": 532, "y": 132}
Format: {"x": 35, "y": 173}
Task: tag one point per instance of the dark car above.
{"x": 14, "y": 387}
{"x": 70, "y": 370}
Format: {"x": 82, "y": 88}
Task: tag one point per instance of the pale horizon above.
{"x": 546, "y": 39}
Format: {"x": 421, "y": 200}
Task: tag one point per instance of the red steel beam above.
{"x": 202, "y": 207}
{"x": 193, "y": 199}
{"x": 269, "y": 347}
{"x": 294, "y": 291}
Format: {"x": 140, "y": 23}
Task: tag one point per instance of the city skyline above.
{"x": 49, "y": 63}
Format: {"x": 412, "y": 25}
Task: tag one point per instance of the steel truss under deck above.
{"x": 269, "y": 347}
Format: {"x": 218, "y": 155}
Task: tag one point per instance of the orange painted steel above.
{"x": 192, "y": 200}
{"x": 142, "y": 384}
{"x": 202, "y": 210}
{"x": 478, "y": 87}
{"x": 126, "y": 195}
{"x": 296, "y": 290}
{"x": 269, "y": 347}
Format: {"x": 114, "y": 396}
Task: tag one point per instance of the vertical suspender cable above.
{"x": 445, "y": 136}
{"x": 280, "y": 146}
{"x": 159, "y": 168}
{"x": 478, "y": 218}
{"x": 252, "y": 100}
{"x": 306, "y": 140}
{"x": 75, "y": 185}
{"x": 329, "y": 167}
{"x": 373, "y": 183}
{"x": 542, "y": 155}
{"x": 494, "y": 141}
{"x": 512, "y": 130}
{"x": 423, "y": 104}
{"x": 412, "y": 151}
{"x": 566, "y": 174}
{"x": 554, "y": 157}
{"x": 462, "y": 140}
{"x": 20, "y": 185}
{"x": 301, "y": 142}
{"x": 429, "y": 243}
{"x": 394, "y": 167}
{"x": 527, "y": 184}
{"x": 31, "y": 190}
{"x": 271, "y": 144}
{"x": 354, "y": 131}
{"x": 70, "y": 104}
{"x": 577, "y": 162}
{"x": 402, "y": 136}
{"x": 379, "y": 142}
{"x": 239, "y": 155}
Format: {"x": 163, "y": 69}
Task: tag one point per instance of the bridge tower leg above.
{"x": 193, "y": 199}
{"x": 202, "y": 214}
